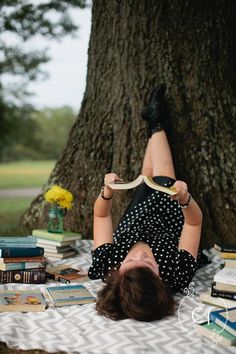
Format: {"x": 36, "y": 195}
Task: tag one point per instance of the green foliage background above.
{"x": 37, "y": 135}
{"x": 22, "y": 128}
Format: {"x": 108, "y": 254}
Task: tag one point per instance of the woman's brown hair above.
{"x": 137, "y": 293}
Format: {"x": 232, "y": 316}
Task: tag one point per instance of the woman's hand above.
{"x": 182, "y": 192}
{"x": 110, "y": 178}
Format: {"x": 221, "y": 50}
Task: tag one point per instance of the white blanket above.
{"x": 78, "y": 329}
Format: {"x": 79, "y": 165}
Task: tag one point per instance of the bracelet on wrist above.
{"x": 186, "y": 205}
{"x": 102, "y": 194}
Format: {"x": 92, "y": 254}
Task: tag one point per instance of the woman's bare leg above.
{"x": 147, "y": 168}
{"x": 158, "y": 159}
{"x": 162, "y": 163}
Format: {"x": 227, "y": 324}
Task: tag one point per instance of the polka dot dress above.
{"x": 152, "y": 217}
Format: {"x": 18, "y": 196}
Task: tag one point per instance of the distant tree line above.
{"x": 20, "y": 125}
{"x": 37, "y": 134}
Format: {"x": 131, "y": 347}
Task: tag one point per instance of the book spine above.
{"x": 29, "y": 276}
{"x": 18, "y": 244}
{"x": 18, "y": 239}
{"x": 223, "y": 294}
{"x": 20, "y": 266}
{"x": 6, "y": 252}
{"x": 22, "y": 259}
{"x": 228, "y": 255}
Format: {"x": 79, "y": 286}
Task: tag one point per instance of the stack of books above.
{"x": 221, "y": 327}
{"x": 223, "y": 288}
{"x": 55, "y": 245}
{"x": 223, "y": 295}
{"x": 21, "y": 261}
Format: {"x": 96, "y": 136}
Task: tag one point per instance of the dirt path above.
{"x": 19, "y": 192}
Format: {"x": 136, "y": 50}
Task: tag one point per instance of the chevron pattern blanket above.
{"x": 78, "y": 329}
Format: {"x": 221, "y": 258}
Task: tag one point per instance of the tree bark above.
{"x": 134, "y": 46}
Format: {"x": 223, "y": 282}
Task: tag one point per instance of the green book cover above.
{"x": 216, "y": 333}
{"x": 65, "y": 236}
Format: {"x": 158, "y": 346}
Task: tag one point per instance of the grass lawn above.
{"x": 11, "y": 211}
{"x": 25, "y": 173}
{"x": 20, "y": 174}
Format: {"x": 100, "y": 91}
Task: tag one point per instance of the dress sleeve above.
{"x": 101, "y": 258}
{"x": 184, "y": 269}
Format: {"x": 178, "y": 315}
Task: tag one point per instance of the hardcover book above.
{"x": 223, "y": 247}
{"x": 140, "y": 179}
{"x": 20, "y": 242}
{"x": 225, "y": 294}
{"x": 22, "y": 259}
{"x": 66, "y": 274}
{"x": 226, "y": 319}
{"x": 21, "y": 301}
{"x": 70, "y": 295}
{"x": 27, "y": 276}
{"x": 225, "y": 255}
{"x": 65, "y": 236}
{"x": 43, "y": 242}
{"x": 216, "y": 333}
{"x": 226, "y": 276}
{"x": 60, "y": 255}
{"x": 224, "y": 287}
{"x": 21, "y": 265}
{"x": 6, "y": 252}
{"x": 206, "y": 298}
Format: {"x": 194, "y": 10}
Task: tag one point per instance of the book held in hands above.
{"x": 142, "y": 179}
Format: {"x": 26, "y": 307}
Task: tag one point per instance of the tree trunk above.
{"x": 134, "y": 46}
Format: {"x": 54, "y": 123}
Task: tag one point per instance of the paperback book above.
{"x": 70, "y": 295}
{"x": 65, "y": 236}
{"x": 140, "y": 179}
{"x": 226, "y": 276}
{"x": 66, "y": 274}
{"x": 206, "y": 298}
{"x": 21, "y": 301}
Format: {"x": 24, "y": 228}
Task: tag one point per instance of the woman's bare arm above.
{"x": 191, "y": 233}
{"x": 102, "y": 222}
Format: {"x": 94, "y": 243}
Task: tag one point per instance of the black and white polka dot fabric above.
{"x": 152, "y": 217}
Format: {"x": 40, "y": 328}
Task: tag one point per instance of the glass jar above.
{"x": 56, "y": 219}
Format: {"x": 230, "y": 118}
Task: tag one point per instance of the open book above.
{"x": 140, "y": 179}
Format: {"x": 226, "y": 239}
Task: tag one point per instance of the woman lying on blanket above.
{"x": 152, "y": 253}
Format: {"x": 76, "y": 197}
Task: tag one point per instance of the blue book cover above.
{"x": 6, "y": 252}
{"x": 18, "y": 239}
{"x": 226, "y": 318}
{"x": 18, "y": 245}
{"x": 21, "y": 265}
{"x": 72, "y": 294}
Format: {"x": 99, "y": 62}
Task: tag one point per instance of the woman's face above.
{"x": 139, "y": 259}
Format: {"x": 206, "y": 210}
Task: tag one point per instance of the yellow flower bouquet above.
{"x": 60, "y": 199}
{"x": 59, "y": 196}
